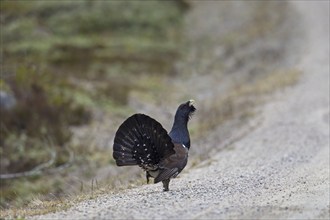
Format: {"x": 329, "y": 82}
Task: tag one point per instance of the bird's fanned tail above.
{"x": 141, "y": 140}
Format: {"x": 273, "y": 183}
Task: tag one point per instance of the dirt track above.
{"x": 279, "y": 170}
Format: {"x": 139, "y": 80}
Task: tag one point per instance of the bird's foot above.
{"x": 165, "y": 185}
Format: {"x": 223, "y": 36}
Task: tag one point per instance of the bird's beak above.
{"x": 191, "y": 102}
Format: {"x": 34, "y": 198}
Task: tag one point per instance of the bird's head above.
{"x": 186, "y": 110}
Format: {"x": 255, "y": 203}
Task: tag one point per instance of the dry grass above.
{"x": 38, "y": 206}
{"x": 242, "y": 100}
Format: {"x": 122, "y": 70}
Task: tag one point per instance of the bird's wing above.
{"x": 174, "y": 164}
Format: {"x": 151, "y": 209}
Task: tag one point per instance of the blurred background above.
{"x": 72, "y": 71}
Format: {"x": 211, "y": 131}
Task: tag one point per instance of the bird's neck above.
{"x": 179, "y": 132}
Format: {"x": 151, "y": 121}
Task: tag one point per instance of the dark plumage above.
{"x": 141, "y": 140}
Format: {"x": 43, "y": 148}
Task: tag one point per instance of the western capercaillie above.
{"x": 141, "y": 140}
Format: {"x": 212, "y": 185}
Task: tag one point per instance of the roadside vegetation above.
{"x": 64, "y": 62}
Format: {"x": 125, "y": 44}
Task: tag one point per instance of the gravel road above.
{"x": 279, "y": 170}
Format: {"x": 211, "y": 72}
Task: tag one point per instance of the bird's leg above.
{"x": 165, "y": 184}
{"x": 147, "y": 176}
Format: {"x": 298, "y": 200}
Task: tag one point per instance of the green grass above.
{"x": 64, "y": 61}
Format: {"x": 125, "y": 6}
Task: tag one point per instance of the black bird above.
{"x": 141, "y": 140}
